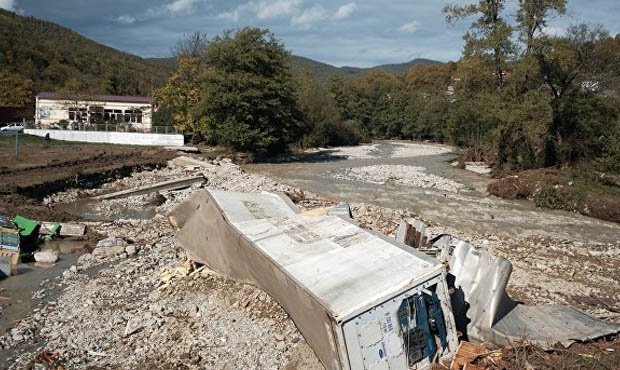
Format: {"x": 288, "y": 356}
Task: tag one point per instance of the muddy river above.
{"x": 328, "y": 173}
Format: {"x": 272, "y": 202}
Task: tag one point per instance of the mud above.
{"x": 41, "y": 170}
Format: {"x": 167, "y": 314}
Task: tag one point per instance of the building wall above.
{"x": 50, "y": 111}
{"x": 125, "y": 138}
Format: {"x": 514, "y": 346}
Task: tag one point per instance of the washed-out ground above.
{"x": 136, "y": 301}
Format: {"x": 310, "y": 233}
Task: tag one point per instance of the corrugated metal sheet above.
{"x": 483, "y": 309}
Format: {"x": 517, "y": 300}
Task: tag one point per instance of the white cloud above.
{"x": 263, "y": 10}
{"x": 269, "y": 9}
{"x": 345, "y": 11}
{"x": 174, "y": 7}
{"x": 272, "y": 9}
{"x": 410, "y": 27}
{"x": 179, "y": 6}
{"x": 554, "y": 31}
{"x": 232, "y": 15}
{"x": 126, "y": 19}
{"x": 309, "y": 16}
{"x": 8, "y": 5}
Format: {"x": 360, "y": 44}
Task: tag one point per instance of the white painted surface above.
{"x": 123, "y": 138}
{"x": 346, "y": 267}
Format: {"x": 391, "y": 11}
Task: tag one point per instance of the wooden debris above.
{"x": 471, "y": 356}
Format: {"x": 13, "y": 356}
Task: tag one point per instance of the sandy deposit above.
{"x": 399, "y": 175}
{"x": 377, "y": 150}
{"x": 406, "y": 150}
{"x": 349, "y": 152}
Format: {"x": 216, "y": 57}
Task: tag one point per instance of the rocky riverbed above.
{"x": 136, "y": 301}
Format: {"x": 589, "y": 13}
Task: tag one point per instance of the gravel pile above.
{"x": 406, "y": 150}
{"x": 399, "y": 175}
{"x": 151, "y": 307}
{"x": 367, "y": 151}
{"x": 372, "y": 151}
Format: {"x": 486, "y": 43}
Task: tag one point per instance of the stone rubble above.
{"x": 399, "y": 175}
{"x": 136, "y": 301}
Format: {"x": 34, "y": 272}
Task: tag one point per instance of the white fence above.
{"x": 123, "y": 138}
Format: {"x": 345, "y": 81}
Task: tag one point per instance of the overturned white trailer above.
{"x": 360, "y": 300}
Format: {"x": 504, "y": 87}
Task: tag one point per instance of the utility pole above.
{"x": 16, "y": 144}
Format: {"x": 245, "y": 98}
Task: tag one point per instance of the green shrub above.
{"x": 557, "y": 197}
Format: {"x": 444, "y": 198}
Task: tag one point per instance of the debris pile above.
{"x": 155, "y": 310}
{"x": 135, "y": 302}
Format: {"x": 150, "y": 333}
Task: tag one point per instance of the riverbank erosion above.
{"x": 136, "y": 300}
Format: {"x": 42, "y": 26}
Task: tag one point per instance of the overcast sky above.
{"x": 356, "y": 33}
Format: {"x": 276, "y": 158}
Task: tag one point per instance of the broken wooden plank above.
{"x": 174, "y": 184}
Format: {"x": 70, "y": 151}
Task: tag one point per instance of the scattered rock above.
{"x": 131, "y": 250}
{"x": 104, "y": 252}
{"x": 281, "y": 346}
{"x": 112, "y": 242}
{"x": 279, "y": 337}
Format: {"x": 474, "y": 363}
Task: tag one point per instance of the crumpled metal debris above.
{"x": 484, "y": 311}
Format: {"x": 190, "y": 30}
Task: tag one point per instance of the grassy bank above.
{"x": 581, "y": 189}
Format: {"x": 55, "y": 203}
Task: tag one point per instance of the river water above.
{"x": 471, "y": 209}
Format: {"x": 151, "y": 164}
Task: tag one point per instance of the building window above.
{"x": 95, "y": 113}
{"x": 78, "y": 114}
{"x": 133, "y": 116}
{"x": 112, "y": 114}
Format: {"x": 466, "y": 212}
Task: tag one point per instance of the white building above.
{"x": 86, "y": 109}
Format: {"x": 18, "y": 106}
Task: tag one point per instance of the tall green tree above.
{"x": 179, "y": 99}
{"x": 533, "y": 16}
{"x": 573, "y": 67}
{"x": 248, "y": 94}
{"x": 490, "y": 35}
{"x": 323, "y": 125}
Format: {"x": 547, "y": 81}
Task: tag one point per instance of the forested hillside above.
{"x": 36, "y": 55}
{"x": 323, "y": 71}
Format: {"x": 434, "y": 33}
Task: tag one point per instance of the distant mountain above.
{"x": 323, "y": 71}
{"x": 53, "y": 56}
